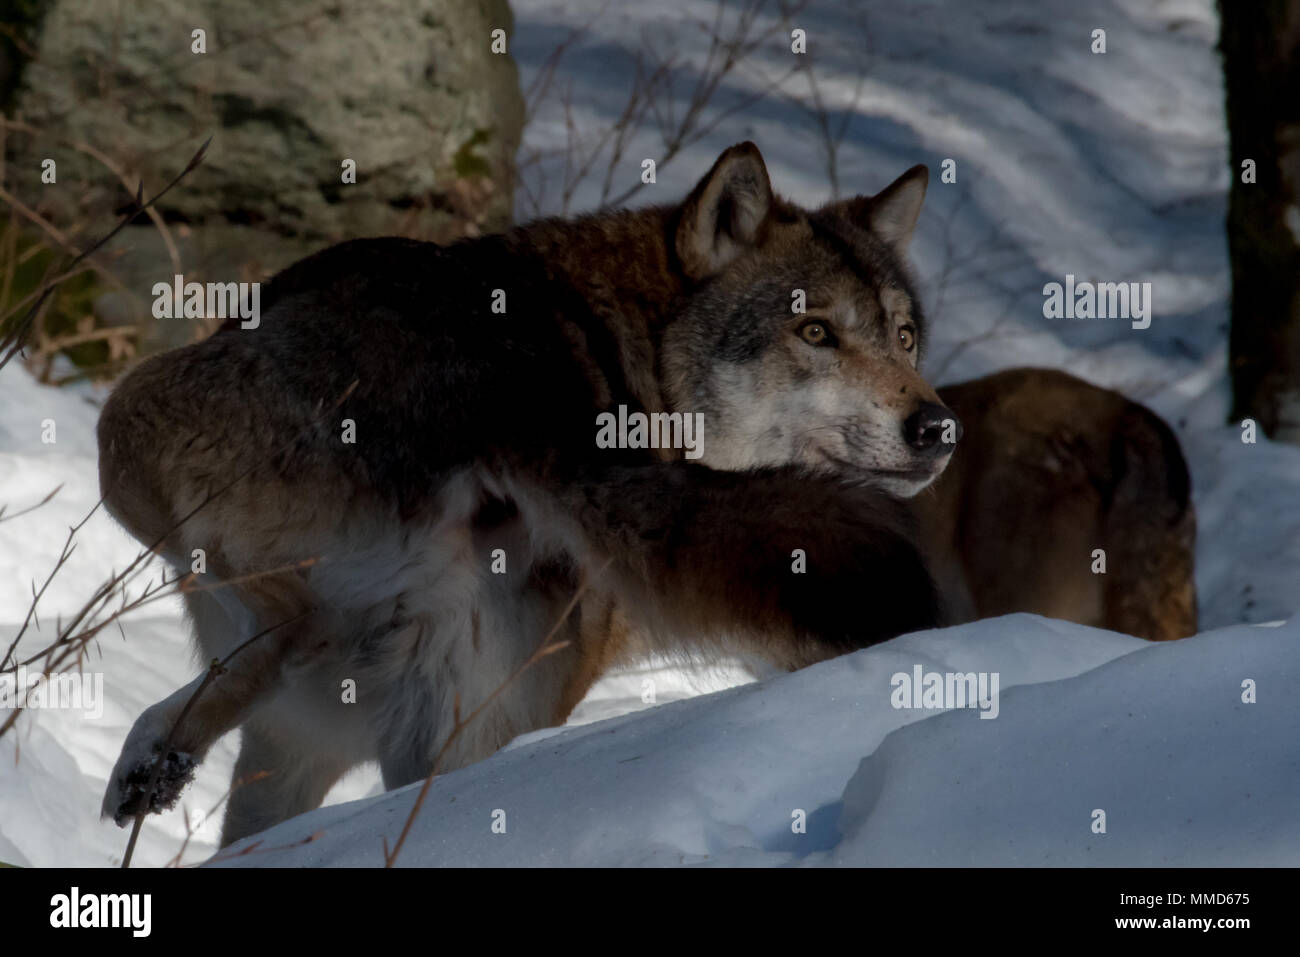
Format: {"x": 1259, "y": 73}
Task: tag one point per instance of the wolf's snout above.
{"x": 924, "y": 430}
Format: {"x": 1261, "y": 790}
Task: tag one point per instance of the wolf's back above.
{"x": 1052, "y": 472}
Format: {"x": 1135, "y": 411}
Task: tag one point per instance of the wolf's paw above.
{"x": 130, "y": 780}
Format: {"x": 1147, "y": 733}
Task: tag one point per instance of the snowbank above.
{"x": 1155, "y": 735}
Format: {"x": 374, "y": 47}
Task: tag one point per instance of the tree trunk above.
{"x": 1260, "y": 42}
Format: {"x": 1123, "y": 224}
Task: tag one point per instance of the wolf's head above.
{"x": 802, "y": 336}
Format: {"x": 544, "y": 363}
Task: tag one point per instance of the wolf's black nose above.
{"x": 924, "y": 428}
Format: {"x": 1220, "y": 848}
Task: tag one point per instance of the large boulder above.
{"x": 408, "y": 89}
{"x": 114, "y": 91}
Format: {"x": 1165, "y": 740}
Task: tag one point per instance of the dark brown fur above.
{"x": 475, "y": 431}
{"x": 1051, "y": 468}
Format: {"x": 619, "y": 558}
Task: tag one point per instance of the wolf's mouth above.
{"x": 844, "y": 466}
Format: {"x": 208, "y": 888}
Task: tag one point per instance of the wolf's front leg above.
{"x": 187, "y": 723}
{"x": 141, "y": 753}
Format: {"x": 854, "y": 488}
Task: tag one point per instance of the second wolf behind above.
{"x": 1065, "y": 500}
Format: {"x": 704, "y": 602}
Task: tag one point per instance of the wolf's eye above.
{"x": 907, "y": 336}
{"x": 816, "y": 334}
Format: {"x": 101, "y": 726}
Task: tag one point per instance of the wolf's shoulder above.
{"x": 407, "y": 276}
{"x": 396, "y": 270}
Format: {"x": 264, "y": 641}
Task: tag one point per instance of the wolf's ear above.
{"x": 726, "y": 214}
{"x": 892, "y": 213}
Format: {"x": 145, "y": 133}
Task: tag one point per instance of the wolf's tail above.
{"x": 1150, "y": 528}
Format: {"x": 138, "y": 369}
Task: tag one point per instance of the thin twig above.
{"x": 13, "y": 342}
{"x": 215, "y": 670}
{"x": 30, "y": 508}
{"x": 544, "y": 648}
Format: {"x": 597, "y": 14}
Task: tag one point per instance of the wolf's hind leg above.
{"x": 490, "y": 691}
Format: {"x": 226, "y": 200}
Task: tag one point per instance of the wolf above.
{"x": 404, "y": 517}
{"x": 1050, "y": 469}
{"x": 1054, "y": 476}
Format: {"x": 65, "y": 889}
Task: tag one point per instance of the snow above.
{"x": 1111, "y": 167}
{"x": 1087, "y": 720}
{"x": 1160, "y": 740}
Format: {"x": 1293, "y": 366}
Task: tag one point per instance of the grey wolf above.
{"x": 1049, "y": 470}
{"x": 420, "y": 422}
